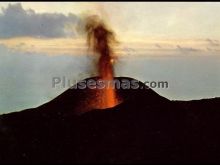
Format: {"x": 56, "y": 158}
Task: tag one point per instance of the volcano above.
{"x": 144, "y": 128}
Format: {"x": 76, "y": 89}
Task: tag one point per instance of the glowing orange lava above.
{"x": 100, "y": 39}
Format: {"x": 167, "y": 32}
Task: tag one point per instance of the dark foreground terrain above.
{"x": 145, "y": 128}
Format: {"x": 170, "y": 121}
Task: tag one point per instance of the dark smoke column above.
{"x": 100, "y": 39}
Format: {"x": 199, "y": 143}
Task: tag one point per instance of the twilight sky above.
{"x": 174, "y": 42}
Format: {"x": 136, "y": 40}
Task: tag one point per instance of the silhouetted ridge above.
{"x": 144, "y": 128}
{"x": 73, "y": 100}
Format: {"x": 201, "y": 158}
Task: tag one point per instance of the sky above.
{"x": 178, "y": 42}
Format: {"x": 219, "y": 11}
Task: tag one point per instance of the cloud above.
{"x": 158, "y": 46}
{"x": 213, "y": 42}
{"x": 186, "y": 49}
{"x": 17, "y": 22}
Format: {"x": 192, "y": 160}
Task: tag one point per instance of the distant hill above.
{"x": 145, "y": 128}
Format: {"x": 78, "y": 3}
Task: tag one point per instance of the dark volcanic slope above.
{"x": 145, "y": 128}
